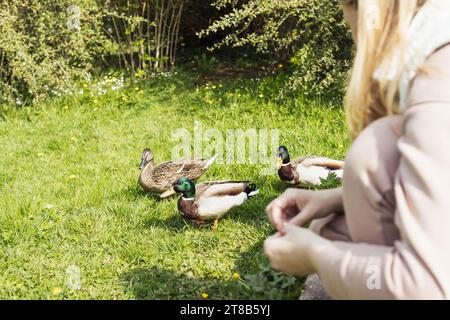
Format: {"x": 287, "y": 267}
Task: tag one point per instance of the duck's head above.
{"x": 283, "y": 156}
{"x": 184, "y": 186}
{"x": 146, "y": 158}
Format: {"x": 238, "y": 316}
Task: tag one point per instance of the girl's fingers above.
{"x": 274, "y": 212}
{"x": 271, "y": 246}
{"x": 268, "y": 252}
{"x": 302, "y": 218}
{"x": 277, "y": 216}
{"x": 269, "y": 210}
{"x": 281, "y": 208}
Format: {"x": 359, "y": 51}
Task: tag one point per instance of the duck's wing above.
{"x": 323, "y": 162}
{"x": 171, "y": 170}
{"x": 214, "y": 199}
{"x": 220, "y": 188}
{"x": 167, "y": 171}
{"x": 193, "y": 169}
{"x": 298, "y": 160}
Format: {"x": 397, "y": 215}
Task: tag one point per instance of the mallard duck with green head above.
{"x": 306, "y": 171}
{"x": 211, "y": 200}
{"x": 158, "y": 178}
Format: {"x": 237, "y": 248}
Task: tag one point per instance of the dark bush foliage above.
{"x": 46, "y": 46}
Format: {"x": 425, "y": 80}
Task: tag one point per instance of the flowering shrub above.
{"x": 46, "y": 45}
{"x": 310, "y": 33}
{"x": 105, "y": 84}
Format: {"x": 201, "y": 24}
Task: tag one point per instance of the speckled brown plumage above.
{"x": 159, "y": 178}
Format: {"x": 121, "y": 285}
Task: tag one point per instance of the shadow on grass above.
{"x": 263, "y": 281}
{"x": 135, "y": 192}
{"x": 155, "y": 283}
{"x": 257, "y": 281}
{"x": 280, "y": 187}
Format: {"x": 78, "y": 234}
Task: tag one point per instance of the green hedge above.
{"x": 45, "y": 46}
{"x": 310, "y": 33}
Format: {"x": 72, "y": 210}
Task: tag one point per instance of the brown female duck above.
{"x": 158, "y": 178}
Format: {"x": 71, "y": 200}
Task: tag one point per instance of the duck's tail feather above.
{"x": 210, "y": 162}
{"x": 251, "y": 190}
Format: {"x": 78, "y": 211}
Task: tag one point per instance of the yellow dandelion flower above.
{"x": 56, "y": 291}
{"x": 205, "y": 295}
{"x": 220, "y": 86}
{"x": 40, "y": 154}
{"x": 210, "y": 102}
{"x": 72, "y": 177}
{"x": 235, "y": 276}
{"x": 66, "y": 107}
{"x": 280, "y": 66}
{"x": 214, "y": 87}
{"x": 261, "y": 95}
{"x": 95, "y": 100}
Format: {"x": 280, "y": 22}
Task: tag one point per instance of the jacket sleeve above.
{"x": 418, "y": 265}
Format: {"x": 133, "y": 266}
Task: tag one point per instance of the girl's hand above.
{"x": 301, "y": 206}
{"x": 296, "y": 252}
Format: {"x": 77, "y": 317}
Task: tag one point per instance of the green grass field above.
{"x": 69, "y": 193}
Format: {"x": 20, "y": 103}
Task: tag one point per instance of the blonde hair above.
{"x": 381, "y": 40}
